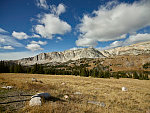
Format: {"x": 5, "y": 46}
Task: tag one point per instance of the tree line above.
{"x": 6, "y": 67}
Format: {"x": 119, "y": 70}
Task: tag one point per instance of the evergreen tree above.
{"x": 146, "y": 77}
{"x": 135, "y": 75}
{"x": 12, "y": 68}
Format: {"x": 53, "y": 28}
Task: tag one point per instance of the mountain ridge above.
{"x": 42, "y": 58}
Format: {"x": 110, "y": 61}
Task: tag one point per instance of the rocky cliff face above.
{"x": 62, "y": 56}
{"x": 136, "y": 49}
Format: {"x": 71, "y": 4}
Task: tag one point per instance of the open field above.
{"x": 82, "y": 93}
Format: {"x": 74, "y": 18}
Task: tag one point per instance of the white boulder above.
{"x": 35, "y": 101}
{"x": 7, "y": 87}
{"x": 124, "y": 89}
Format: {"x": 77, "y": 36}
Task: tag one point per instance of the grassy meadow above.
{"x": 81, "y": 91}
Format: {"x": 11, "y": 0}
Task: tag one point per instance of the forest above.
{"x": 7, "y": 67}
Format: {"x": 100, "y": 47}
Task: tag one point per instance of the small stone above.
{"x": 66, "y": 96}
{"x": 34, "y": 80}
{"x": 35, "y": 101}
{"x": 63, "y": 83}
{"x": 102, "y": 104}
{"x": 77, "y": 93}
{"x": 124, "y": 89}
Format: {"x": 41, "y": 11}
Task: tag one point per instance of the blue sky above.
{"x": 29, "y": 27}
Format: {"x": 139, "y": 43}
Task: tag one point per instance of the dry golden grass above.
{"x": 135, "y": 100}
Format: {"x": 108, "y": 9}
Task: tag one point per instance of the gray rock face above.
{"x": 135, "y": 49}
{"x": 52, "y": 57}
{"x": 62, "y": 56}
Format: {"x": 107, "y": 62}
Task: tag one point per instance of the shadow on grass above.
{"x": 54, "y": 99}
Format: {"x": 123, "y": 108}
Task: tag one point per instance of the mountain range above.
{"x": 43, "y": 58}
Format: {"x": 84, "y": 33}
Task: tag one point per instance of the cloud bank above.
{"x": 133, "y": 39}
{"x": 112, "y": 22}
{"x": 9, "y": 41}
{"x": 7, "y": 47}
{"x": 16, "y": 55}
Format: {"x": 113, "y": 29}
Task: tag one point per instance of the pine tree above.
{"x": 135, "y": 75}
{"x": 146, "y": 77}
{"x": 12, "y": 68}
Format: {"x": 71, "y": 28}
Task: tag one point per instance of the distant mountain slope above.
{"x": 135, "y": 49}
{"x": 62, "y": 56}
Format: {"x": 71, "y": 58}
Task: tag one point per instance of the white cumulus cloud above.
{"x": 42, "y": 4}
{"x": 9, "y": 40}
{"x": 50, "y": 25}
{"x": 137, "y": 38}
{"x": 113, "y": 22}
{"x": 58, "y": 10}
{"x": 59, "y": 38}
{"x": 86, "y": 42}
{"x": 3, "y": 31}
{"x": 133, "y": 39}
{"x": 35, "y": 36}
{"x": 8, "y": 47}
{"x": 39, "y": 42}
{"x": 20, "y": 35}
{"x": 34, "y": 47}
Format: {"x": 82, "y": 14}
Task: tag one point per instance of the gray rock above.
{"x": 42, "y": 95}
{"x": 77, "y": 93}
{"x": 102, "y": 104}
{"x": 7, "y": 87}
{"x": 35, "y": 101}
{"x": 124, "y": 89}
{"x": 66, "y": 96}
{"x": 34, "y": 80}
